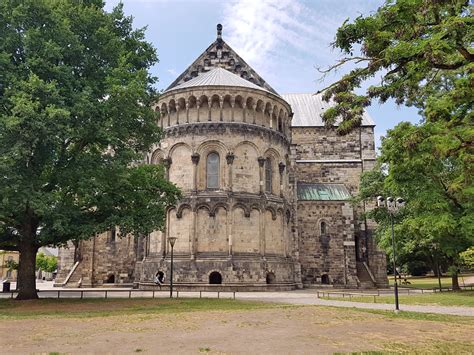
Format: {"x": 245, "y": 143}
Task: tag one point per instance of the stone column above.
{"x": 193, "y": 234}
{"x": 270, "y": 114}
{"x": 244, "y": 108}
{"x": 177, "y": 113}
{"x": 162, "y": 117}
{"x": 221, "y": 106}
{"x": 195, "y": 160}
{"x": 262, "y": 233}
{"x": 281, "y": 168}
{"x": 232, "y": 105}
{"x": 254, "y": 111}
{"x": 167, "y": 163}
{"x": 187, "y": 111}
{"x": 198, "y": 106}
{"x": 261, "y": 163}
{"x": 164, "y": 235}
{"x": 230, "y": 160}
{"x": 230, "y": 219}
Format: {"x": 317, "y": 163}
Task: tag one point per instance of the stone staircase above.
{"x": 366, "y": 280}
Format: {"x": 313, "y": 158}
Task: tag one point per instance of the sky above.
{"x": 285, "y": 41}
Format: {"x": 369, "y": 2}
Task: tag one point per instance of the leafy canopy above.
{"x": 422, "y": 50}
{"x": 75, "y": 119}
{"x": 46, "y": 263}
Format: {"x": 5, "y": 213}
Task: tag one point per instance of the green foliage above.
{"x": 75, "y": 123}
{"x": 423, "y": 51}
{"x": 437, "y": 222}
{"x": 11, "y": 265}
{"x": 467, "y": 258}
{"x": 46, "y": 263}
{"x": 75, "y": 116}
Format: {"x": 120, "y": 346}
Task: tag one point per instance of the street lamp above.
{"x": 392, "y": 205}
{"x": 171, "y": 240}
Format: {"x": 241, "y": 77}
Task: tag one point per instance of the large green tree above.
{"x": 438, "y": 221}
{"x": 422, "y": 51}
{"x": 75, "y": 121}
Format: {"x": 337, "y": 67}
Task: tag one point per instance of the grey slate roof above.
{"x": 307, "y": 109}
{"x": 217, "y": 77}
{"x": 322, "y": 192}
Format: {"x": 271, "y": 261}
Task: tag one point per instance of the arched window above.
{"x": 213, "y": 171}
{"x": 268, "y": 175}
{"x": 324, "y": 228}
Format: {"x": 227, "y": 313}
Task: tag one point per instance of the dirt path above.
{"x": 283, "y": 330}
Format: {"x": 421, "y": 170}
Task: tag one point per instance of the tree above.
{"x": 422, "y": 50}
{"x": 437, "y": 221}
{"x": 467, "y": 258}
{"x": 75, "y": 122}
{"x": 46, "y": 263}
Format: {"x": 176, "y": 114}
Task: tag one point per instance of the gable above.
{"x": 220, "y": 55}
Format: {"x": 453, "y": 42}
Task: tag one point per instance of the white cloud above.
{"x": 275, "y": 36}
{"x": 172, "y": 72}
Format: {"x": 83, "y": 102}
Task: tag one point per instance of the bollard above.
{"x": 153, "y": 293}
{"x": 105, "y": 294}
{"x": 177, "y": 294}
{"x": 200, "y": 294}
{"x": 130, "y": 294}
{"x": 218, "y": 294}
{"x": 375, "y": 300}
{"x": 234, "y": 295}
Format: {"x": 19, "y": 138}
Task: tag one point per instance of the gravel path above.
{"x": 309, "y": 297}
{"x": 303, "y": 297}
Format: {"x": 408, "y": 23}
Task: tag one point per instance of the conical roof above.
{"x": 217, "y": 77}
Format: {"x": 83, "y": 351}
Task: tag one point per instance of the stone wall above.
{"x": 322, "y": 156}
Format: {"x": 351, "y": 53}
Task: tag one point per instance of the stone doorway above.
{"x": 215, "y": 278}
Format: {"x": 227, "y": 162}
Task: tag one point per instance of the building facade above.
{"x": 266, "y": 191}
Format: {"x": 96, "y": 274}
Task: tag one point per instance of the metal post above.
{"x": 171, "y": 278}
{"x": 397, "y": 308}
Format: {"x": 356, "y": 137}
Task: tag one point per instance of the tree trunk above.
{"x": 455, "y": 281}
{"x": 26, "y": 271}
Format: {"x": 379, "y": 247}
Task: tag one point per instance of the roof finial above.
{"x": 219, "y": 31}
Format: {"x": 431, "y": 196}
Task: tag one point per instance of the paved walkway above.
{"x": 302, "y": 297}
{"x": 308, "y": 297}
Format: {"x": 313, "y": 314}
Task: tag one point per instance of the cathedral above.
{"x": 266, "y": 188}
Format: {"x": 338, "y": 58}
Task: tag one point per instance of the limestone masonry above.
{"x": 266, "y": 190}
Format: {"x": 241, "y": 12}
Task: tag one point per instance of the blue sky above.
{"x": 283, "y": 40}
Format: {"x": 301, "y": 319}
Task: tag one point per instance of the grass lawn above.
{"x": 448, "y": 298}
{"x": 430, "y": 282}
{"x": 76, "y": 308}
{"x": 222, "y": 326}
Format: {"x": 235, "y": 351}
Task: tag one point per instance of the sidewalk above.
{"x": 308, "y": 297}
{"x": 299, "y": 297}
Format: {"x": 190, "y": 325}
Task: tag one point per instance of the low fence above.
{"x": 343, "y": 295}
{"x": 98, "y": 293}
{"x": 386, "y": 292}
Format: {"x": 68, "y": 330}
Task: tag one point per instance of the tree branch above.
{"x": 465, "y": 53}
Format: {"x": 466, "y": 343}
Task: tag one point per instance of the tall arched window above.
{"x": 324, "y": 228}
{"x": 212, "y": 171}
{"x": 268, "y": 175}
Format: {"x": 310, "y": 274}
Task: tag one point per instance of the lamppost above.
{"x": 171, "y": 240}
{"x": 392, "y": 205}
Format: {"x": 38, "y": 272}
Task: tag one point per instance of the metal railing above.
{"x": 98, "y": 293}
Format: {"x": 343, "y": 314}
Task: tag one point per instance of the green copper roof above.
{"x": 322, "y": 192}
